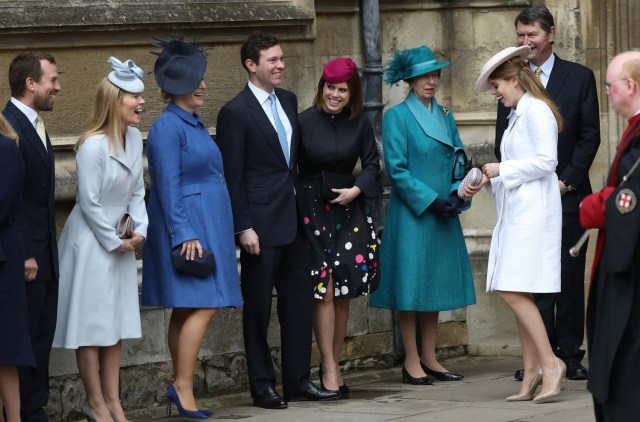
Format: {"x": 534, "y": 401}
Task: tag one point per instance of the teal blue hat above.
{"x": 411, "y": 62}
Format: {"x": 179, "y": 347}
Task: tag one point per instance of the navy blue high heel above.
{"x": 172, "y": 396}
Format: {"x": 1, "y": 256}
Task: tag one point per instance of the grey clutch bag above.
{"x": 124, "y": 228}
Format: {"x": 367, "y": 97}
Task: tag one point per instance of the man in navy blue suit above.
{"x": 257, "y": 132}
{"x": 33, "y": 78}
{"x": 573, "y": 88}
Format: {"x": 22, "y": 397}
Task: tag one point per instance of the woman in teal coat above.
{"x": 423, "y": 257}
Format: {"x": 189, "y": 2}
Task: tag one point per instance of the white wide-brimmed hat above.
{"x": 482, "y": 85}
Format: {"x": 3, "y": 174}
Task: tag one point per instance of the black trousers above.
{"x": 287, "y": 269}
{"x": 42, "y": 305}
{"x": 563, "y": 313}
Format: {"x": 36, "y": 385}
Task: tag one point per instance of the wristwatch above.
{"x": 567, "y": 185}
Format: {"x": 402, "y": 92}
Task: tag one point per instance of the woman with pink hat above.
{"x": 336, "y": 222}
{"x": 525, "y": 246}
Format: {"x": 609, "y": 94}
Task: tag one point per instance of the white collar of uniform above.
{"x": 31, "y": 114}
{"x": 260, "y": 94}
{"x": 546, "y": 66}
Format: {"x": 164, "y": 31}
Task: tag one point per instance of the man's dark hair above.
{"x": 23, "y": 66}
{"x": 534, "y": 14}
{"x": 256, "y": 42}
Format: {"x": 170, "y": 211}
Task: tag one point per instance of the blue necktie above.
{"x": 282, "y": 133}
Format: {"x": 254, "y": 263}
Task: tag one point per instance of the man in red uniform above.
{"x": 613, "y": 317}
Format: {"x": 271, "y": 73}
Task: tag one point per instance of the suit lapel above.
{"x": 264, "y": 124}
{"x": 28, "y": 134}
{"x": 556, "y": 79}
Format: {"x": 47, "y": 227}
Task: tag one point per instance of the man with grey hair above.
{"x": 572, "y": 87}
{"x": 614, "y": 302}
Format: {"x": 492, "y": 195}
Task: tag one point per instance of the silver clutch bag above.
{"x": 472, "y": 178}
{"x": 124, "y": 228}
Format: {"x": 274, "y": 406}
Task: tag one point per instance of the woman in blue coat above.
{"x": 189, "y": 209}
{"x": 14, "y": 330}
{"x": 424, "y": 264}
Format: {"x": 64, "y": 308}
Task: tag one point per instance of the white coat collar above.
{"x": 128, "y": 156}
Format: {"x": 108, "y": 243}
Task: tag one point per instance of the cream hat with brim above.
{"x": 482, "y": 85}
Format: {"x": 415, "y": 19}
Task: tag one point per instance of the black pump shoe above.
{"x": 345, "y": 391}
{"x": 441, "y": 376}
{"x": 408, "y": 379}
{"x": 339, "y": 391}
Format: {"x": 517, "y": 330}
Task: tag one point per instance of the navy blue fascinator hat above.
{"x": 180, "y": 66}
{"x": 411, "y": 62}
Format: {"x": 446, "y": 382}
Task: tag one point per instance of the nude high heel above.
{"x": 528, "y": 395}
{"x": 561, "y": 370}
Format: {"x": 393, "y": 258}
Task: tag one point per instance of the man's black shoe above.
{"x": 577, "y": 372}
{"x": 312, "y": 392}
{"x": 270, "y": 399}
{"x": 519, "y": 375}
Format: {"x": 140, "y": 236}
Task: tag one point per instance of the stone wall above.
{"x": 83, "y": 34}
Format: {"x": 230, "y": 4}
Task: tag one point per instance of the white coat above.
{"x": 525, "y": 246}
{"x": 98, "y": 296}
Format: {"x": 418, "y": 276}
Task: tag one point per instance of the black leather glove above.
{"x": 453, "y": 203}
{"x": 439, "y": 207}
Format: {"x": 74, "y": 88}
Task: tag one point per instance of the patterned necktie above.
{"x": 282, "y": 133}
{"x": 538, "y": 71}
{"x": 42, "y": 133}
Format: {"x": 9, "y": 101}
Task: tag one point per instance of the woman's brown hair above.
{"x": 519, "y": 69}
{"x": 355, "y": 104}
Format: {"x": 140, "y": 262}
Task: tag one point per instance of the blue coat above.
{"x": 188, "y": 200}
{"x": 423, "y": 257}
{"x": 14, "y": 329}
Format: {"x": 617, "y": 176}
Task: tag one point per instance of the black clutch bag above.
{"x": 199, "y": 267}
{"x": 331, "y": 180}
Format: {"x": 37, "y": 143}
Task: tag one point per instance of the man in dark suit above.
{"x": 573, "y": 88}
{"x": 257, "y": 133}
{"x": 33, "y": 78}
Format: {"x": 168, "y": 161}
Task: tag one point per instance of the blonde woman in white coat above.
{"x": 98, "y": 297}
{"x": 525, "y": 246}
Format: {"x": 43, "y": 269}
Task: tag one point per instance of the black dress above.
{"x": 14, "y": 330}
{"x": 343, "y": 241}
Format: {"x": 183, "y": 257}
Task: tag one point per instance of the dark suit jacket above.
{"x": 573, "y": 88}
{"x": 261, "y": 185}
{"x": 39, "y": 223}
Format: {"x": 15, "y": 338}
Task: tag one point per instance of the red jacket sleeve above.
{"x": 592, "y": 209}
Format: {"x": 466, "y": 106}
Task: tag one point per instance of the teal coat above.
{"x": 423, "y": 257}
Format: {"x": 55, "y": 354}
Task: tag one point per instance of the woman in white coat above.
{"x": 98, "y": 296}
{"x": 525, "y": 246}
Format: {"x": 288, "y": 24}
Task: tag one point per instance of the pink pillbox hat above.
{"x": 339, "y": 70}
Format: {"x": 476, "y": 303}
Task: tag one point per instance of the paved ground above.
{"x": 380, "y": 396}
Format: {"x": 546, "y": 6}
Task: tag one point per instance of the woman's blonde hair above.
{"x": 7, "y": 130}
{"x": 105, "y": 116}
{"x": 519, "y": 69}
